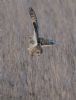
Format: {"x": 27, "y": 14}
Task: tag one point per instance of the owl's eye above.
{"x": 38, "y": 52}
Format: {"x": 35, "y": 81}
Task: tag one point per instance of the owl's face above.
{"x": 37, "y": 50}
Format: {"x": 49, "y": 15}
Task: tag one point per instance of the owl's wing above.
{"x": 35, "y": 24}
{"x": 46, "y": 42}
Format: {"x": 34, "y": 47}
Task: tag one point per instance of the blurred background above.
{"x": 50, "y": 76}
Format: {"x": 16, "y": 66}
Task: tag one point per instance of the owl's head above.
{"x": 37, "y": 50}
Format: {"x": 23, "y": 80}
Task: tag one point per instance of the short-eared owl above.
{"x": 36, "y": 42}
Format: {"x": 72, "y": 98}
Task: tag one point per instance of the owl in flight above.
{"x": 36, "y": 42}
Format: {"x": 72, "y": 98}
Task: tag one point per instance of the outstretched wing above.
{"x": 46, "y": 42}
{"x": 35, "y": 23}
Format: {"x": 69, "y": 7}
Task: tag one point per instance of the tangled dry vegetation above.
{"x": 50, "y": 76}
